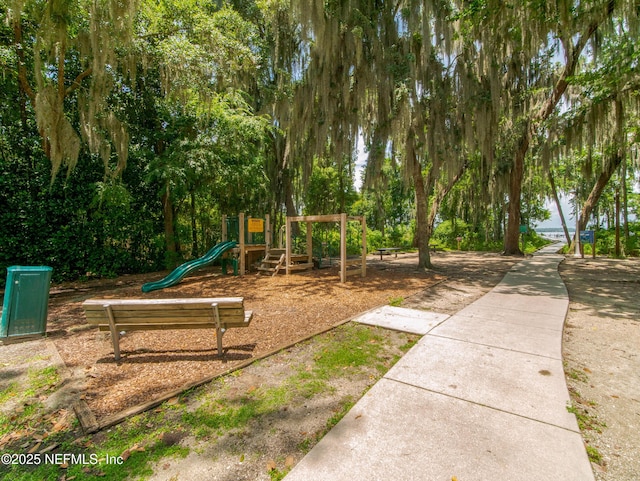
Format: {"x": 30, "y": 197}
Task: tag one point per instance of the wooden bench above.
{"x": 116, "y": 315}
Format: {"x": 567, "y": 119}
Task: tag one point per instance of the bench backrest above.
{"x": 147, "y": 314}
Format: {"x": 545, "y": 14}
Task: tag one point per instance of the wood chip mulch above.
{"x": 286, "y": 309}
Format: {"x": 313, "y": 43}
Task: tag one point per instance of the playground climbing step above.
{"x": 273, "y": 261}
{"x": 276, "y": 260}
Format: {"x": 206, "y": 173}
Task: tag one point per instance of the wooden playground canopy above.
{"x": 344, "y": 262}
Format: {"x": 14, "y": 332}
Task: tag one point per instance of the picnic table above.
{"x": 387, "y": 250}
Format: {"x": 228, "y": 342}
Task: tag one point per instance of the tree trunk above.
{"x": 289, "y": 203}
{"x": 512, "y": 235}
{"x": 554, "y": 190}
{"x": 422, "y": 199}
{"x": 194, "y": 229}
{"x": 610, "y": 167}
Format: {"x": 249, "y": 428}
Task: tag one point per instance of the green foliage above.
{"x": 606, "y": 241}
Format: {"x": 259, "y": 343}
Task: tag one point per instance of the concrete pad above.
{"x": 514, "y": 316}
{"x": 414, "y": 321}
{"x": 529, "y": 339}
{"x": 516, "y": 382}
{"x": 402, "y": 433}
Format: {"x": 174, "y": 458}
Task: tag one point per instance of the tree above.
{"x": 73, "y": 48}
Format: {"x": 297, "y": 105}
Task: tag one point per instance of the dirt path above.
{"x": 602, "y": 360}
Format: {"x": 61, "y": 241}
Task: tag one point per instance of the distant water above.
{"x": 554, "y": 233}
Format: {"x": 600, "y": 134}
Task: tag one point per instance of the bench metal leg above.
{"x": 115, "y": 335}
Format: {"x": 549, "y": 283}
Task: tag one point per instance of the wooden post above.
{"x": 363, "y": 223}
{"x": 309, "y": 243}
{"x": 267, "y": 234}
{"x": 219, "y": 330}
{"x": 241, "y": 242}
{"x": 287, "y": 234}
{"x": 115, "y": 335}
{"x": 343, "y": 247}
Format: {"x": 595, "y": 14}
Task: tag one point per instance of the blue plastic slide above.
{"x": 188, "y": 267}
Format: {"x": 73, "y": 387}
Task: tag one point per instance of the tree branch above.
{"x": 78, "y": 80}
{"x": 22, "y": 69}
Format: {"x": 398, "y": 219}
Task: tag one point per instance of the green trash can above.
{"x": 26, "y": 301}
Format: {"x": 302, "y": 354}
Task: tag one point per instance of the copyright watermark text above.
{"x": 60, "y": 459}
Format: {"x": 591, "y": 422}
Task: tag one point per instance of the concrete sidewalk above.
{"x": 481, "y": 397}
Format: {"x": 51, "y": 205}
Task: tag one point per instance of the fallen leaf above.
{"x": 289, "y": 462}
{"x": 271, "y": 465}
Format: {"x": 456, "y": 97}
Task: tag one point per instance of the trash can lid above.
{"x": 29, "y": 268}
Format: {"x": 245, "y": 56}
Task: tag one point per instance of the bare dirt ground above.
{"x": 601, "y": 340}
{"x": 602, "y": 360}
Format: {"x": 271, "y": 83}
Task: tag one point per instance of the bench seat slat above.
{"x": 202, "y": 319}
{"x": 187, "y": 325}
{"x": 160, "y": 304}
{"x": 164, "y": 314}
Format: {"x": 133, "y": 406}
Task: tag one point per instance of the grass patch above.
{"x": 9, "y": 392}
{"x": 340, "y": 352}
{"x": 577, "y": 375}
{"x": 396, "y": 301}
{"x": 350, "y": 345}
{"x": 586, "y": 420}
{"x": 42, "y": 379}
{"x": 594, "y": 455}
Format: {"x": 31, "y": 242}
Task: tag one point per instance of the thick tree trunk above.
{"x": 512, "y": 235}
{"x": 421, "y": 239}
{"x": 290, "y": 205}
{"x": 422, "y": 199}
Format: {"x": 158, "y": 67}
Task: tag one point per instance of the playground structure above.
{"x": 252, "y": 235}
{"x": 249, "y": 241}
{"x": 187, "y": 268}
{"x": 292, "y": 261}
